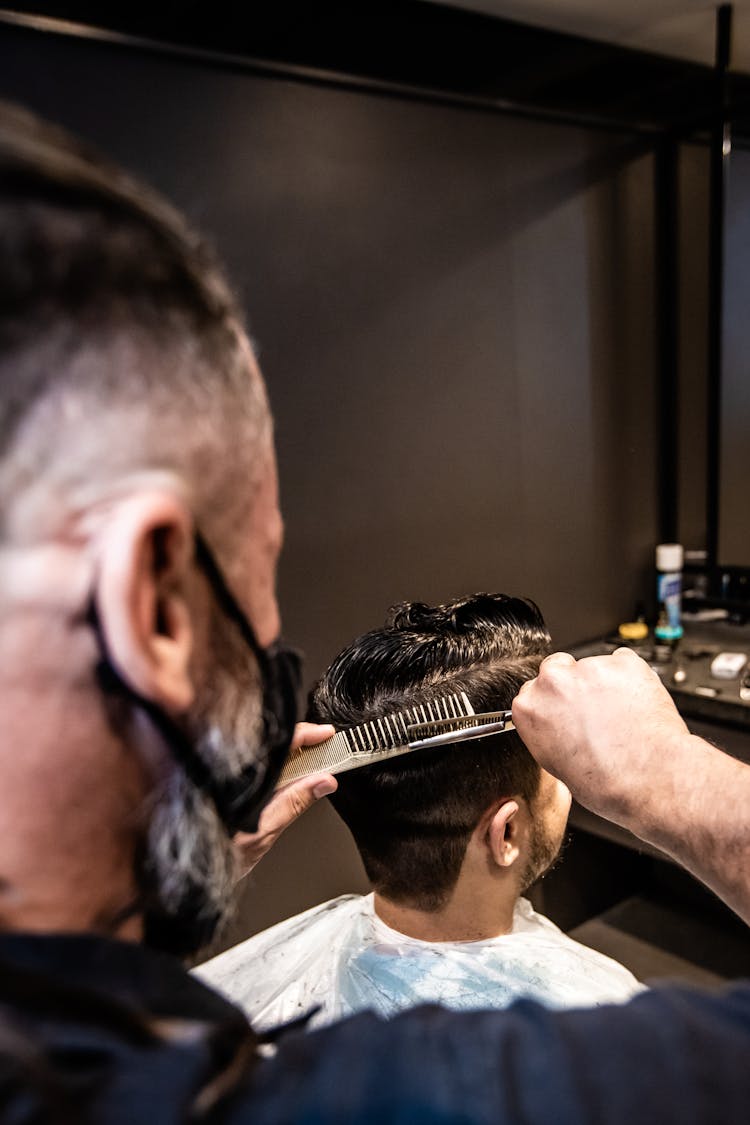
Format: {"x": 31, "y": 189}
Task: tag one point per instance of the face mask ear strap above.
{"x": 112, "y": 683}
{"x": 280, "y": 671}
{"x": 225, "y": 599}
{"x": 238, "y": 799}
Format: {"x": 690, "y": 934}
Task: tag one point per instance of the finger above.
{"x": 524, "y": 689}
{"x": 286, "y": 806}
{"x": 523, "y": 705}
{"x": 518, "y": 708}
{"x": 623, "y": 653}
{"x": 557, "y": 659}
{"x": 294, "y": 799}
{"x": 310, "y": 734}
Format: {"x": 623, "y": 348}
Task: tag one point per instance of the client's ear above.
{"x": 503, "y": 834}
{"x": 144, "y": 558}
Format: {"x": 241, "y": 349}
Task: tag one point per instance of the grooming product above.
{"x": 728, "y": 665}
{"x": 448, "y": 719}
{"x": 632, "y": 631}
{"x": 669, "y": 558}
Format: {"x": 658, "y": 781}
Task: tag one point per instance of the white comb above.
{"x": 449, "y": 719}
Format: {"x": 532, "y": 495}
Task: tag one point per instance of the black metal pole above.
{"x": 667, "y": 210}
{"x": 719, "y": 152}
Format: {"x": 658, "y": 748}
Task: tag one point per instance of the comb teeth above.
{"x": 373, "y": 740}
{"x": 392, "y": 730}
{"x": 378, "y": 734}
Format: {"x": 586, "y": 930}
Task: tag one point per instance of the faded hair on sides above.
{"x": 412, "y": 816}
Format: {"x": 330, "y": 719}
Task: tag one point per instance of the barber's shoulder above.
{"x": 397, "y": 1067}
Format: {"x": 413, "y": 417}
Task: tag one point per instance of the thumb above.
{"x": 293, "y": 800}
{"x": 286, "y": 806}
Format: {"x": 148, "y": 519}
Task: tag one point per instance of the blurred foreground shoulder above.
{"x": 670, "y": 1054}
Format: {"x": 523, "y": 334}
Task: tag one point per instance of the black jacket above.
{"x": 105, "y": 1032}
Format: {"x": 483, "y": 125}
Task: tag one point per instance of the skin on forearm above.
{"x": 608, "y": 728}
{"x": 697, "y": 809}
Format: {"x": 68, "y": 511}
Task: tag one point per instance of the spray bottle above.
{"x": 669, "y": 559}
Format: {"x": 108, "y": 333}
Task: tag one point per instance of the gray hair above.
{"x": 122, "y": 346}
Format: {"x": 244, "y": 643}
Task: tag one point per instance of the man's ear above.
{"x": 503, "y": 834}
{"x": 144, "y": 557}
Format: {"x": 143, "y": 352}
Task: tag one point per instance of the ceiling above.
{"x": 644, "y": 65}
{"x": 681, "y": 28}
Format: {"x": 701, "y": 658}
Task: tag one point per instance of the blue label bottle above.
{"x": 669, "y": 558}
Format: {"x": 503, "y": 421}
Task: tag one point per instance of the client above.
{"x": 450, "y": 838}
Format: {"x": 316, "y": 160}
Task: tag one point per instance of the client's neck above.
{"x": 478, "y": 908}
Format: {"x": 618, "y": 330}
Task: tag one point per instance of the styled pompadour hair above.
{"x": 412, "y": 816}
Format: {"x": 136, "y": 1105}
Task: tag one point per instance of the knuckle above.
{"x": 297, "y": 804}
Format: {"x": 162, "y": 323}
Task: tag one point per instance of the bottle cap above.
{"x": 633, "y": 631}
{"x": 669, "y": 556}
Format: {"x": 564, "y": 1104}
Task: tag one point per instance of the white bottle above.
{"x": 669, "y": 559}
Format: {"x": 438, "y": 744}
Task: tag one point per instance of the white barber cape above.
{"x": 341, "y": 956}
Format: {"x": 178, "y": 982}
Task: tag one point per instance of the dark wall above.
{"x": 454, "y": 312}
{"x": 690, "y": 410}
{"x": 734, "y": 523}
{"x": 734, "y": 421}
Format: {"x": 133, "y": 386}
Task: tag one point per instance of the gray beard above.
{"x": 190, "y": 867}
{"x": 189, "y": 863}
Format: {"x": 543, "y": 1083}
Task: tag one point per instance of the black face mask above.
{"x": 239, "y": 800}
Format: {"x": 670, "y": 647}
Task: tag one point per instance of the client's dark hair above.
{"x": 412, "y": 816}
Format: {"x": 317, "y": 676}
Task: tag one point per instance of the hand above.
{"x": 287, "y": 804}
{"x": 603, "y": 725}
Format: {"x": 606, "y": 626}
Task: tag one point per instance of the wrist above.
{"x": 669, "y": 807}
